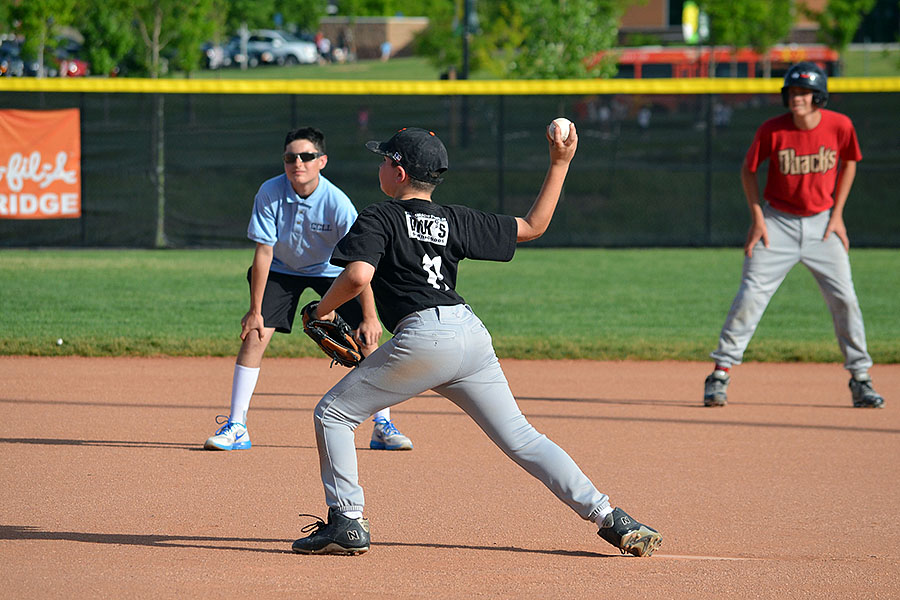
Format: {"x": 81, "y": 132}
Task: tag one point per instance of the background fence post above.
{"x": 501, "y": 138}
{"x": 159, "y": 168}
{"x": 710, "y": 100}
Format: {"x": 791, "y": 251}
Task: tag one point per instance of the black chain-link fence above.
{"x": 653, "y": 170}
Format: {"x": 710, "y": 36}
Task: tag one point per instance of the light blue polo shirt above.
{"x": 302, "y": 231}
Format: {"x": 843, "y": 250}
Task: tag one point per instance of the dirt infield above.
{"x": 785, "y": 493}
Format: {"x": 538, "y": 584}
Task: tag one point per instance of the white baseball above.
{"x": 563, "y": 124}
{"x": 59, "y": 342}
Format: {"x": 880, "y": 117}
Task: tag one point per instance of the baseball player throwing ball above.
{"x": 812, "y": 154}
{"x": 409, "y": 249}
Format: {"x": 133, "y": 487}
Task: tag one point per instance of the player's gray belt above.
{"x": 456, "y": 313}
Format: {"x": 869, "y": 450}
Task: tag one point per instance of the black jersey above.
{"x": 415, "y": 247}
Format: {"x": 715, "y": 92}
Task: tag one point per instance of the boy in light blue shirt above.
{"x": 297, "y": 220}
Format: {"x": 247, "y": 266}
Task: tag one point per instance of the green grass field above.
{"x": 547, "y": 303}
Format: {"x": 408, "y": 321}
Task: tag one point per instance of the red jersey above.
{"x": 803, "y": 164}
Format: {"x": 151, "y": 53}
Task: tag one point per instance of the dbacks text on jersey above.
{"x": 427, "y": 228}
{"x": 820, "y": 162}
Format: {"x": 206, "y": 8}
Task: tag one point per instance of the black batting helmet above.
{"x": 807, "y": 75}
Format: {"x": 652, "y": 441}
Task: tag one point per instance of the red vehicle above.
{"x": 694, "y": 61}
{"x": 73, "y": 67}
{"x": 67, "y": 61}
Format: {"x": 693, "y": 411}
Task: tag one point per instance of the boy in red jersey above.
{"x": 812, "y": 154}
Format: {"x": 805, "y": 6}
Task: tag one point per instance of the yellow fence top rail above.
{"x": 330, "y": 87}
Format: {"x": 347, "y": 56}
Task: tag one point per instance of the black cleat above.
{"x": 864, "y": 395}
{"x": 629, "y": 536}
{"x": 715, "y": 388}
{"x": 339, "y": 536}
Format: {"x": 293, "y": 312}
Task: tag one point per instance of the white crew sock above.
{"x": 242, "y": 386}
{"x": 353, "y": 514}
{"x": 384, "y": 413}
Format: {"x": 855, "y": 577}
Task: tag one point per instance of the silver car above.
{"x": 280, "y": 48}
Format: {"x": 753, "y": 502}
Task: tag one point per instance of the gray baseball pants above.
{"x": 446, "y": 349}
{"x": 794, "y": 239}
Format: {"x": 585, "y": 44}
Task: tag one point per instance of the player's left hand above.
{"x": 333, "y": 336}
{"x": 837, "y": 227}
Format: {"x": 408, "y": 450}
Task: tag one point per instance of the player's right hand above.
{"x": 252, "y": 321}
{"x": 757, "y": 232}
{"x": 563, "y": 151}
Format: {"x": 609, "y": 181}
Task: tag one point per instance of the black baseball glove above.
{"x": 335, "y": 338}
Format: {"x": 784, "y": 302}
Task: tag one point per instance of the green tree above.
{"x": 200, "y": 26}
{"x": 757, "y": 24}
{"x": 260, "y": 14}
{"x": 562, "y": 34}
{"x": 839, "y": 20}
{"x": 6, "y": 16}
{"x": 252, "y": 13}
{"x": 304, "y": 14}
{"x": 179, "y": 26}
{"x": 108, "y": 36}
{"x": 539, "y": 39}
{"x": 500, "y": 42}
{"x": 39, "y": 21}
{"x": 441, "y": 42}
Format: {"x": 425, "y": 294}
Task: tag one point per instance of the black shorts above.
{"x": 282, "y": 295}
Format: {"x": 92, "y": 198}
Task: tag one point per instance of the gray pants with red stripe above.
{"x": 792, "y": 240}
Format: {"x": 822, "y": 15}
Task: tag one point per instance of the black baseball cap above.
{"x": 419, "y": 151}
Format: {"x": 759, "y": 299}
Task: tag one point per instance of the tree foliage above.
{"x": 108, "y": 37}
{"x": 253, "y": 13}
{"x": 758, "y": 24}
{"x": 39, "y": 21}
{"x": 390, "y": 8}
{"x": 302, "y": 14}
{"x": 539, "y": 39}
{"x": 839, "y": 20}
{"x": 564, "y": 34}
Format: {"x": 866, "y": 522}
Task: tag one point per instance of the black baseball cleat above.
{"x": 715, "y": 388}
{"x": 340, "y": 535}
{"x": 864, "y": 395}
{"x": 629, "y": 536}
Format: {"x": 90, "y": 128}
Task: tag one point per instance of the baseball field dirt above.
{"x": 787, "y": 492}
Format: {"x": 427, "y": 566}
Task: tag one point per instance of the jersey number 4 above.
{"x": 432, "y": 266}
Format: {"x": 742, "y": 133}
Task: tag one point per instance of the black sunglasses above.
{"x": 290, "y": 157}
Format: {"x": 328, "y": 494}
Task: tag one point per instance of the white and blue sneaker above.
{"x": 230, "y": 436}
{"x": 386, "y": 437}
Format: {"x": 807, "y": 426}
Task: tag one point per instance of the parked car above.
{"x": 11, "y": 63}
{"x": 70, "y": 66}
{"x": 68, "y": 61}
{"x": 216, "y": 56}
{"x": 235, "y": 55}
{"x": 280, "y": 48}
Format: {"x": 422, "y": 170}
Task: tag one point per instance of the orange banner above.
{"x": 40, "y": 164}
